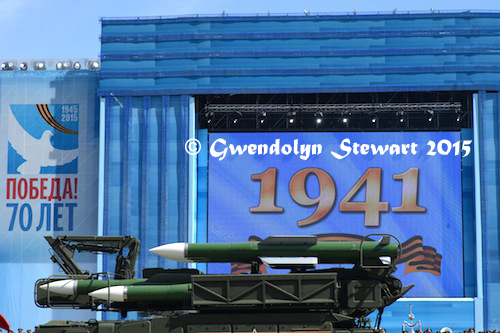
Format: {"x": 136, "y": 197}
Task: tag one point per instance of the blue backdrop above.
{"x": 432, "y": 240}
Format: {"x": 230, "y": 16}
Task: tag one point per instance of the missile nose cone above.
{"x": 62, "y": 287}
{"x": 174, "y": 251}
{"x": 114, "y": 294}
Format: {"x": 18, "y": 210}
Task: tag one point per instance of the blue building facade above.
{"x": 153, "y": 68}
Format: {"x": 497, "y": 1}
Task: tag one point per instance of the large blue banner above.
{"x": 342, "y": 186}
{"x": 49, "y": 166}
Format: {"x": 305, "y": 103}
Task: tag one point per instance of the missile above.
{"x": 145, "y": 293}
{"x": 72, "y": 287}
{"x": 276, "y": 247}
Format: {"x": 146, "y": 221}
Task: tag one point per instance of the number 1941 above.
{"x": 324, "y": 202}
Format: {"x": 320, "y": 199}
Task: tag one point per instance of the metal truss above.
{"x": 335, "y": 108}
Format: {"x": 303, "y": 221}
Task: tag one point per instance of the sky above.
{"x": 42, "y": 29}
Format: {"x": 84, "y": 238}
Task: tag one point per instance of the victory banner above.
{"x": 49, "y": 168}
{"x": 345, "y": 187}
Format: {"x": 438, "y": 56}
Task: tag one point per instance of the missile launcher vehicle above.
{"x": 304, "y": 300}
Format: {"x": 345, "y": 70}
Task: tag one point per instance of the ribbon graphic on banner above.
{"x": 418, "y": 258}
{"x": 44, "y": 111}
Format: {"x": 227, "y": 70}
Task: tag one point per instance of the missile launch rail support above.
{"x": 64, "y": 248}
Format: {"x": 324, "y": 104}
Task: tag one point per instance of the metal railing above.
{"x": 304, "y": 14}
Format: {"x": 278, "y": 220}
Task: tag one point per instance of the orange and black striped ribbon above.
{"x": 44, "y": 111}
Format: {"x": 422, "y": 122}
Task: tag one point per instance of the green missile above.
{"x": 145, "y": 293}
{"x": 284, "y": 248}
{"x": 78, "y": 287}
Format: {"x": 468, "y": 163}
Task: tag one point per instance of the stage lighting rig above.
{"x": 316, "y": 116}
{"x": 94, "y": 64}
{"x": 39, "y": 65}
{"x": 319, "y": 117}
{"x": 209, "y": 116}
{"x": 63, "y": 65}
{"x": 345, "y": 117}
{"x": 263, "y": 116}
{"x": 236, "y": 116}
{"x": 431, "y": 115}
{"x": 401, "y": 115}
{"x": 8, "y": 66}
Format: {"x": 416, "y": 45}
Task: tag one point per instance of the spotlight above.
{"x": 458, "y": 118}
{"x": 291, "y": 116}
{"x": 8, "y": 66}
{"x": 344, "y": 120}
{"x": 431, "y": 115}
{"x": 77, "y": 65}
{"x": 401, "y": 115}
{"x": 374, "y": 120}
{"x": 39, "y": 65}
{"x": 236, "y": 116}
{"x": 94, "y": 64}
{"x": 63, "y": 65}
{"x": 319, "y": 117}
{"x": 262, "y": 116}
{"x": 210, "y": 117}
{"x": 23, "y": 66}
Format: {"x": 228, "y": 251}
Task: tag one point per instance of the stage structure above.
{"x": 419, "y": 76}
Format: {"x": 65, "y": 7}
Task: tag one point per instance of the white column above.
{"x": 478, "y": 300}
{"x": 193, "y": 185}
{"x": 100, "y": 184}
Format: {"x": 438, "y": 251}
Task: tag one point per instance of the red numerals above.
{"x": 371, "y": 180}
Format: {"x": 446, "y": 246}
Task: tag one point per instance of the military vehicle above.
{"x": 307, "y": 299}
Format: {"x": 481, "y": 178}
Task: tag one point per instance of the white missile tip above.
{"x": 62, "y": 287}
{"x": 174, "y": 251}
{"x": 114, "y": 294}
